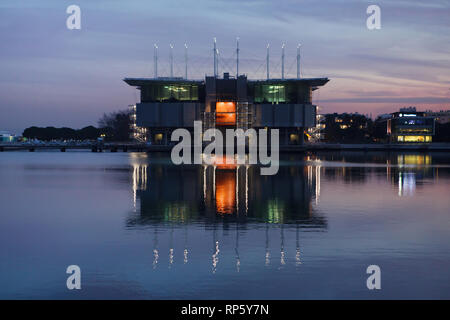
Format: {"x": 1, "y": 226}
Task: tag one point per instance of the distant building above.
{"x": 229, "y": 102}
{"x": 6, "y": 137}
{"x": 442, "y": 116}
{"x": 410, "y": 126}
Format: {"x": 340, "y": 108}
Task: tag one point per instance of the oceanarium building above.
{"x": 224, "y": 102}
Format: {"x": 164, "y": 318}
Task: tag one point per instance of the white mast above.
{"x": 185, "y": 61}
{"x": 217, "y": 62}
{"x": 298, "y": 61}
{"x": 215, "y": 58}
{"x": 155, "y": 61}
{"x": 267, "y": 62}
{"x": 282, "y": 61}
{"x": 171, "y": 61}
{"x": 237, "y": 57}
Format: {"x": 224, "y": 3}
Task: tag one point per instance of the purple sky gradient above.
{"x": 54, "y": 76}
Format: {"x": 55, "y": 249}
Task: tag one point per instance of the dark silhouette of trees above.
{"x": 348, "y": 128}
{"x": 442, "y": 132}
{"x": 52, "y": 133}
{"x": 116, "y": 125}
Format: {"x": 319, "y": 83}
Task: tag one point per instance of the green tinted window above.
{"x": 169, "y": 92}
{"x": 270, "y": 93}
{"x": 287, "y": 92}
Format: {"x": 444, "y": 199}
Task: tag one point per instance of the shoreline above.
{"x": 128, "y": 147}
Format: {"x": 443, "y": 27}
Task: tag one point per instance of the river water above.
{"x": 140, "y": 227}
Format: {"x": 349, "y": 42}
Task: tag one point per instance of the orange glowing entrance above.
{"x": 226, "y": 113}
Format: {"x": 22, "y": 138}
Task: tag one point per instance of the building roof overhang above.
{"x": 138, "y": 82}
{"x": 313, "y": 82}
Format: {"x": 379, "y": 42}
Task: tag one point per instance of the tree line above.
{"x": 339, "y": 128}
{"x": 114, "y": 126}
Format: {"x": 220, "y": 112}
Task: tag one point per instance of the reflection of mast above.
{"x": 215, "y": 256}
{"x": 171, "y": 246}
{"x": 214, "y": 182}
{"x": 237, "y": 190}
{"x": 282, "y": 253}
{"x": 185, "y": 252}
{"x": 246, "y": 190}
{"x": 267, "y": 245}
{"x": 297, "y": 245}
{"x": 238, "y": 260}
{"x": 155, "y": 249}
{"x": 204, "y": 183}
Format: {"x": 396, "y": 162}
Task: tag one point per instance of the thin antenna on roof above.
{"x": 282, "y": 61}
{"x": 155, "y": 61}
{"x": 217, "y": 61}
{"x": 237, "y": 57}
{"x": 185, "y": 61}
{"x": 215, "y": 58}
{"x": 298, "y": 61}
{"x": 171, "y": 60}
{"x": 267, "y": 62}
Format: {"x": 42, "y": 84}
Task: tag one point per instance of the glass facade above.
{"x": 281, "y": 92}
{"x": 413, "y": 121}
{"x": 411, "y": 128}
{"x": 167, "y": 92}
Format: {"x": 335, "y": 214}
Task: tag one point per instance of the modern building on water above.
{"x": 169, "y": 103}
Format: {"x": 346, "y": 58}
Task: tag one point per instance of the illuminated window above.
{"x": 225, "y": 113}
{"x": 414, "y": 138}
{"x": 158, "y": 137}
{"x": 273, "y": 93}
{"x": 344, "y": 126}
{"x": 294, "y": 137}
{"x": 169, "y": 92}
{"x": 428, "y": 139}
{"x": 400, "y": 138}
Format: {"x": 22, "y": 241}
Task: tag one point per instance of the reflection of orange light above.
{"x": 225, "y": 191}
{"x": 221, "y": 162}
{"x": 225, "y": 113}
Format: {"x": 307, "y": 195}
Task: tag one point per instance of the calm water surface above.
{"x": 140, "y": 227}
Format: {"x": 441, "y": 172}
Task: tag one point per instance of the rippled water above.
{"x": 140, "y": 227}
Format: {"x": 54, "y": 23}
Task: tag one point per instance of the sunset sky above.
{"x": 52, "y": 76}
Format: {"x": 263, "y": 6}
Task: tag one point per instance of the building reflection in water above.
{"x": 406, "y": 172}
{"x": 219, "y": 195}
{"x": 411, "y": 171}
